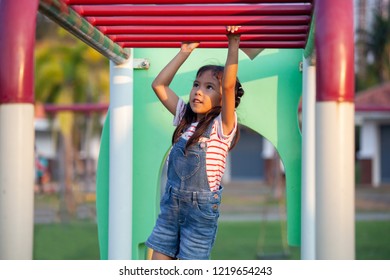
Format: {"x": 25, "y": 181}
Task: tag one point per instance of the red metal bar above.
{"x": 93, "y": 2}
{"x": 208, "y": 37}
{"x": 334, "y": 42}
{"x": 260, "y": 29}
{"x": 361, "y": 108}
{"x": 200, "y": 20}
{"x": 86, "y": 108}
{"x": 368, "y": 108}
{"x": 17, "y": 40}
{"x": 265, "y": 44}
{"x": 187, "y": 10}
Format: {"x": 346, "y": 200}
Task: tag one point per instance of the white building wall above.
{"x": 44, "y": 142}
{"x": 268, "y": 149}
{"x": 369, "y": 148}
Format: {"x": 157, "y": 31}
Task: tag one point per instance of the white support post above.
{"x": 335, "y": 135}
{"x": 121, "y": 161}
{"x": 335, "y": 193}
{"x": 308, "y": 160}
{"x": 16, "y": 181}
{"x": 17, "y": 128}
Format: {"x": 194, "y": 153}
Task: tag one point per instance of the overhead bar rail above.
{"x": 66, "y": 17}
{"x": 94, "y": 2}
{"x": 123, "y": 24}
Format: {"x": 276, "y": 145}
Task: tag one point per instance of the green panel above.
{"x": 273, "y": 86}
{"x": 102, "y": 183}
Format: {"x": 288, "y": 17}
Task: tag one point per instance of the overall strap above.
{"x": 207, "y": 132}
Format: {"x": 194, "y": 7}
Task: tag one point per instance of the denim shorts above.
{"x": 187, "y": 225}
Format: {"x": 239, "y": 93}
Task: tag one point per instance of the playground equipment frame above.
{"x": 333, "y": 175}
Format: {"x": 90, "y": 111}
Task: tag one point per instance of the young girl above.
{"x": 206, "y": 131}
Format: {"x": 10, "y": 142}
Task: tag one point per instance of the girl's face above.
{"x": 205, "y": 94}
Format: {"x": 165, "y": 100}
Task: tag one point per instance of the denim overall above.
{"x": 187, "y": 224}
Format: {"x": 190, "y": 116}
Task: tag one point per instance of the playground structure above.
{"x": 135, "y": 34}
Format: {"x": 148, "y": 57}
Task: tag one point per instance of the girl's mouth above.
{"x": 196, "y": 101}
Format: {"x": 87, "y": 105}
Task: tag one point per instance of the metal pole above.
{"x": 334, "y": 43}
{"x": 82, "y": 29}
{"x": 206, "y": 37}
{"x": 187, "y": 10}
{"x": 121, "y": 161}
{"x": 17, "y": 40}
{"x": 202, "y": 29}
{"x": 84, "y": 108}
{"x": 308, "y": 160}
{"x": 200, "y": 20}
{"x": 91, "y": 2}
{"x": 265, "y": 44}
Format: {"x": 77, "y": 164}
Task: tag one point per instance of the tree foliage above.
{"x": 67, "y": 71}
{"x": 376, "y": 43}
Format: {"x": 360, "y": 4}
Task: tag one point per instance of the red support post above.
{"x": 334, "y": 43}
{"x": 335, "y": 131}
{"x": 17, "y": 40}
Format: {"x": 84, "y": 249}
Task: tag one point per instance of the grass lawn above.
{"x": 73, "y": 241}
{"x": 251, "y": 240}
{"x": 235, "y": 240}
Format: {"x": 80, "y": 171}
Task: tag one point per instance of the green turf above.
{"x": 373, "y": 240}
{"x": 252, "y": 240}
{"x": 73, "y": 241}
{"x": 235, "y": 240}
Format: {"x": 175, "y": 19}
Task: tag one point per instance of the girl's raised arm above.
{"x": 229, "y": 81}
{"x": 161, "y": 83}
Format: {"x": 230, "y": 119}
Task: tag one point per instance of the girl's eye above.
{"x": 195, "y": 85}
{"x": 210, "y": 87}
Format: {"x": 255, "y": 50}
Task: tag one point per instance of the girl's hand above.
{"x": 232, "y": 36}
{"x": 232, "y": 28}
{"x": 189, "y": 46}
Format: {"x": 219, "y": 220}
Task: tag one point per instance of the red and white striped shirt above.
{"x": 217, "y": 145}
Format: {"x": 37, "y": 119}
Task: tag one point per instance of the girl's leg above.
{"x": 160, "y": 256}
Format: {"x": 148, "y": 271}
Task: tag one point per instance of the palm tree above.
{"x": 361, "y": 48}
{"x": 379, "y": 45}
{"x": 67, "y": 72}
{"x": 376, "y": 44}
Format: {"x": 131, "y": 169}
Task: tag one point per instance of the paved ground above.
{"x": 244, "y": 201}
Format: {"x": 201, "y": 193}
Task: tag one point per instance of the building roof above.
{"x": 374, "y": 99}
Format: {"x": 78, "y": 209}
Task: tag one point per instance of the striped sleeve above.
{"x": 220, "y": 132}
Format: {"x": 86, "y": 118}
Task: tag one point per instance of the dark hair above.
{"x": 190, "y": 117}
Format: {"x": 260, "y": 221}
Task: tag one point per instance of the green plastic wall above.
{"x": 273, "y": 87}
